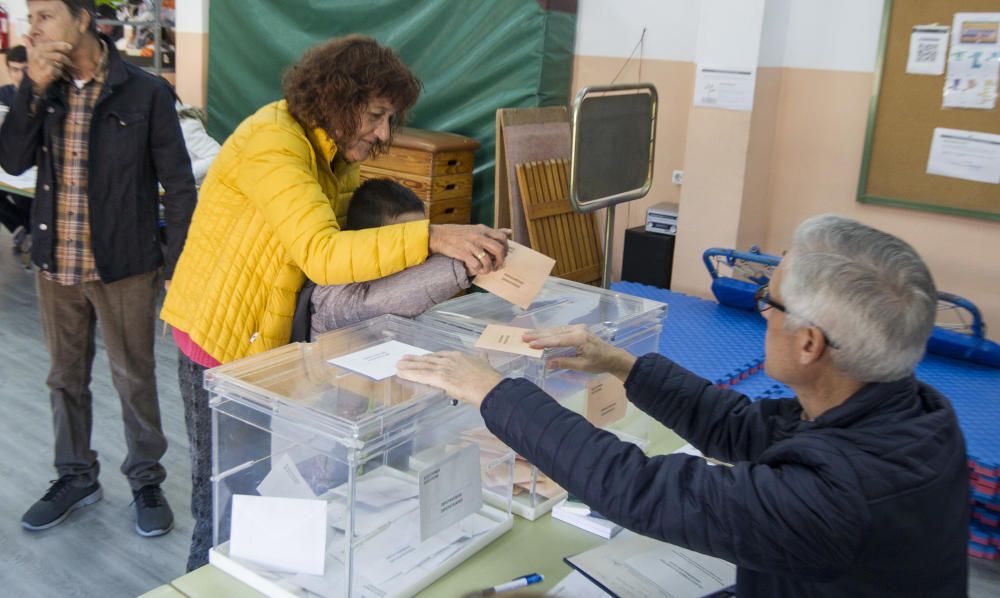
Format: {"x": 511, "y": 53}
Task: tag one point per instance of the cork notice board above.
{"x": 904, "y": 112}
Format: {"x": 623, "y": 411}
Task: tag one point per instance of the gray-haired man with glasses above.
{"x": 856, "y": 487}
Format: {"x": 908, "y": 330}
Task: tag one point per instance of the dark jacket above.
{"x": 7, "y": 94}
{"x": 870, "y": 499}
{"x": 135, "y": 141}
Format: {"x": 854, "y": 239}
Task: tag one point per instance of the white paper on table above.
{"x": 576, "y": 585}
{"x": 285, "y": 480}
{"x": 450, "y": 490}
{"x": 973, "y": 61}
{"x": 24, "y": 181}
{"x": 928, "y": 50}
{"x": 965, "y": 155}
{"x": 729, "y": 88}
{"x": 282, "y": 534}
{"x": 614, "y": 566}
{"x": 378, "y": 362}
{"x": 688, "y": 449}
{"x": 680, "y": 572}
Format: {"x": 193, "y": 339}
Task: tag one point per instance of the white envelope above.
{"x": 281, "y": 534}
{"x": 377, "y": 362}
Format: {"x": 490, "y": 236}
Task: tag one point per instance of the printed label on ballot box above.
{"x": 450, "y": 491}
{"x": 606, "y": 400}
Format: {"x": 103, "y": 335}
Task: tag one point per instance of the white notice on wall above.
{"x": 729, "y": 88}
{"x": 965, "y": 155}
{"x": 378, "y": 362}
{"x": 450, "y": 490}
{"x": 928, "y": 50}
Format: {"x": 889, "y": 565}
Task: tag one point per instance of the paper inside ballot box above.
{"x": 491, "y": 445}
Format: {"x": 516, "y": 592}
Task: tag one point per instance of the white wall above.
{"x": 613, "y": 28}
{"x": 729, "y": 32}
{"x": 18, "y": 11}
{"x": 820, "y": 34}
{"x": 192, "y": 16}
{"x": 838, "y": 35}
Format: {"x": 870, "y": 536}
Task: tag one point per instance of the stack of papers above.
{"x": 580, "y": 515}
{"x": 490, "y": 444}
{"x": 633, "y": 565}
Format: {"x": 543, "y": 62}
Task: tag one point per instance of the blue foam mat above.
{"x": 716, "y": 342}
{"x": 974, "y": 390}
{"x": 762, "y": 386}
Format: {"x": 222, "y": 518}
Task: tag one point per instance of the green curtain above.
{"x": 473, "y": 56}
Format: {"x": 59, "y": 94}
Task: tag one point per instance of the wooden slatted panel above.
{"x": 553, "y": 227}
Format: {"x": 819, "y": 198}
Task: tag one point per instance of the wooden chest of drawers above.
{"x": 436, "y": 166}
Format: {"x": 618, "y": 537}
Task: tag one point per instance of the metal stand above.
{"x": 609, "y": 236}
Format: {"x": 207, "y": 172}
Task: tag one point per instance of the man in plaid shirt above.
{"x": 103, "y": 134}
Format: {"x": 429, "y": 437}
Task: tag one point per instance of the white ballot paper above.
{"x": 282, "y": 534}
{"x": 378, "y": 362}
{"x": 521, "y": 278}
{"x": 729, "y": 88}
{"x": 928, "y": 50}
{"x": 285, "y": 480}
{"x": 575, "y": 585}
{"x": 965, "y": 155}
{"x": 639, "y": 567}
{"x": 450, "y": 491}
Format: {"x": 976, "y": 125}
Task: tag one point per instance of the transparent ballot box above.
{"x": 330, "y": 482}
{"x": 628, "y": 322}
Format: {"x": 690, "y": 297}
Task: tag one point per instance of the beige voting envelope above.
{"x": 521, "y": 278}
{"x": 606, "y": 400}
{"x": 507, "y": 339}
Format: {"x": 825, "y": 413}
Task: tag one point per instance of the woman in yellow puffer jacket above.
{"x": 269, "y": 216}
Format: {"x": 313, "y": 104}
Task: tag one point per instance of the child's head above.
{"x": 381, "y": 202}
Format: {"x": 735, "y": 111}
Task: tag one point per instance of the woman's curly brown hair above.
{"x": 333, "y": 82}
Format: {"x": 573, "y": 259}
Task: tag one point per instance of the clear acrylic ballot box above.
{"x": 625, "y": 321}
{"x": 330, "y": 482}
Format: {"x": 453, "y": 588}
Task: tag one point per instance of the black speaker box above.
{"x": 648, "y": 258}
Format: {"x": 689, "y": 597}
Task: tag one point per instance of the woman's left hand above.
{"x": 462, "y": 376}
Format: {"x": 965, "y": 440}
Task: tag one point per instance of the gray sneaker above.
{"x": 62, "y": 499}
{"x": 153, "y": 516}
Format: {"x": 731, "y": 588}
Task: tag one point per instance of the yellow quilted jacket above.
{"x": 268, "y": 216}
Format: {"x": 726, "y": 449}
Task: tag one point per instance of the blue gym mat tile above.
{"x": 974, "y": 391}
{"x": 762, "y": 386}
{"x": 716, "y": 342}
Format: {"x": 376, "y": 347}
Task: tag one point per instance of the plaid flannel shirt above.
{"x": 73, "y": 254}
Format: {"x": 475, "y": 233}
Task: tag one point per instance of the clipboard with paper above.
{"x": 634, "y": 566}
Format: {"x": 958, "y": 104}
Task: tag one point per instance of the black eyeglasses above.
{"x": 766, "y": 302}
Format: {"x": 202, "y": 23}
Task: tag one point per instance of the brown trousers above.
{"x": 126, "y": 313}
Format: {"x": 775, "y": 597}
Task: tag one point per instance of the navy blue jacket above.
{"x": 135, "y": 141}
{"x": 870, "y": 499}
{"x": 7, "y": 94}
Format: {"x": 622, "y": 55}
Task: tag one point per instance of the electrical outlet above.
{"x": 677, "y": 177}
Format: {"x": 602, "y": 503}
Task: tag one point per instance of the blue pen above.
{"x": 517, "y": 583}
